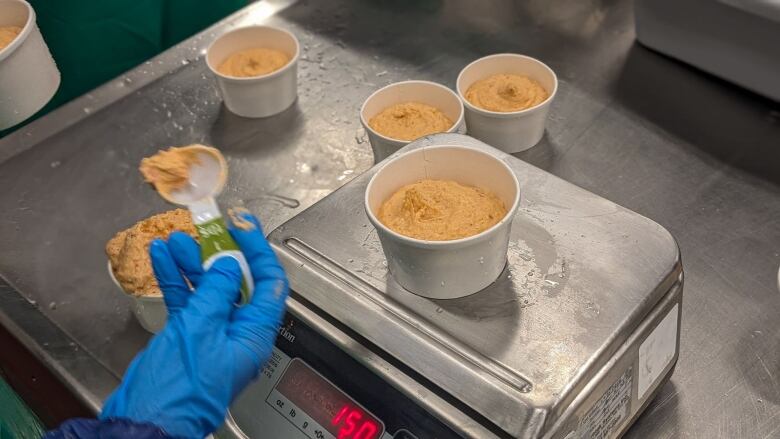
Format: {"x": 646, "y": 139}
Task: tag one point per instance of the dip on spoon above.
{"x": 193, "y": 176}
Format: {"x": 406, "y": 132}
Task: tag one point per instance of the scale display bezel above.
{"x": 322, "y": 401}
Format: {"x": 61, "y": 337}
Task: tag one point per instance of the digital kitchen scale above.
{"x": 572, "y": 341}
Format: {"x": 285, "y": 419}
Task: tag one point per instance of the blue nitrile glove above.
{"x": 210, "y": 349}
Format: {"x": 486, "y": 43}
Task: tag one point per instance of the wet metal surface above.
{"x": 691, "y": 152}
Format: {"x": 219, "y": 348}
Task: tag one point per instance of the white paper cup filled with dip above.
{"x": 149, "y": 310}
{"x": 429, "y": 103}
{"x": 130, "y": 264}
{"x": 28, "y": 76}
{"x": 445, "y": 269}
{"x": 489, "y": 116}
{"x": 256, "y": 69}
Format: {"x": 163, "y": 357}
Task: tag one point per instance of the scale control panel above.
{"x": 311, "y": 389}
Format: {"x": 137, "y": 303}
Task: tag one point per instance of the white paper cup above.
{"x": 445, "y": 269}
{"x": 425, "y": 92}
{"x": 28, "y": 76}
{"x": 256, "y": 96}
{"x": 149, "y": 310}
{"x": 513, "y": 131}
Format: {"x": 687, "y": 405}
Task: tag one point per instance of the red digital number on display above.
{"x": 354, "y": 423}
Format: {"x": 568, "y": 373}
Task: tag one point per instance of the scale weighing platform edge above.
{"x": 572, "y": 341}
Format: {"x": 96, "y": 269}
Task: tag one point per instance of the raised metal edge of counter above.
{"x": 87, "y": 379}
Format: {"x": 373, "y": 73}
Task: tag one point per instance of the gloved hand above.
{"x": 210, "y": 349}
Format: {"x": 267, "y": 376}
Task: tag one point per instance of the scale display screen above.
{"x": 319, "y": 409}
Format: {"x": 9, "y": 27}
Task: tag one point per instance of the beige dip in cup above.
{"x": 509, "y": 131}
{"x": 454, "y": 268}
{"x": 256, "y": 96}
{"x": 130, "y": 266}
{"x": 423, "y": 92}
{"x": 28, "y": 75}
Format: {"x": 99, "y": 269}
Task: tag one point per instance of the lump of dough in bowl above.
{"x": 441, "y": 210}
{"x": 128, "y": 250}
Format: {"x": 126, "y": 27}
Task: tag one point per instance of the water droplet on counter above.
{"x": 439, "y": 310}
{"x": 86, "y": 110}
{"x": 360, "y": 135}
{"x": 481, "y": 260}
{"x": 185, "y": 61}
{"x": 382, "y": 73}
{"x": 55, "y": 164}
{"x": 53, "y": 306}
{"x": 350, "y": 260}
{"x": 442, "y": 283}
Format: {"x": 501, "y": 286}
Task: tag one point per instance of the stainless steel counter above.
{"x": 695, "y": 154}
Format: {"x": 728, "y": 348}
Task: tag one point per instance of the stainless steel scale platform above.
{"x": 572, "y": 341}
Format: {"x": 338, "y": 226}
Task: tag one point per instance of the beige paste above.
{"x": 253, "y": 62}
{"x": 236, "y": 217}
{"x": 8, "y": 34}
{"x": 128, "y": 250}
{"x": 441, "y": 210}
{"x": 409, "y": 121}
{"x": 505, "y": 93}
{"x": 169, "y": 170}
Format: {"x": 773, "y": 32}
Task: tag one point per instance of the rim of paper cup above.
{"x": 472, "y": 107}
{"x": 26, "y": 29}
{"x": 510, "y": 213}
{"x": 116, "y": 282}
{"x": 273, "y": 74}
{"x": 452, "y": 129}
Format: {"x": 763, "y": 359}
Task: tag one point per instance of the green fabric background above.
{"x": 16, "y": 420}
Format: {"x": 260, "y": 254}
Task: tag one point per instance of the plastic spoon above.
{"x": 207, "y": 175}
